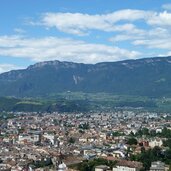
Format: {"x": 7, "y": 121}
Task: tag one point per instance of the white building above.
{"x": 156, "y": 142}
{"x": 51, "y": 137}
{"x": 124, "y": 168}
{"x": 62, "y": 167}
{"x": 102, "y": 168}
{"x": 28, "y": 138}
{"x": 157, "y": 166}
{"x": 125, "y": 165}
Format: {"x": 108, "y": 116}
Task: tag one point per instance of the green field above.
{"x": 83, "y": 102}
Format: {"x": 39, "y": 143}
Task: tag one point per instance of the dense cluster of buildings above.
{"x": 34, "y": 141}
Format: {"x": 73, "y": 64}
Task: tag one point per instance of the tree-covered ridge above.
{"x": 84, "y": 102}
{"x": 144, "y": 77}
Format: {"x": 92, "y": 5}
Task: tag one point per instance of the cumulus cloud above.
{"x": 140, "y": 27}
{"x": 51, "y": 48}
{"x": 153, "y": 32}
{"x": 158, "y": 38}
{"x": 161, "y": 19}
{"x": 80, "y": 24}
{"x": 125, "y": 37}
{"x": 155, "y": 43}
{"x": 155, "y": 38}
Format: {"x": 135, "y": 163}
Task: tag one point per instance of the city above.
{"x": 85, "y": 85}
{"x": 42, "y": 141}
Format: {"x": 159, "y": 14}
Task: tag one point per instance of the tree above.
{"x": 148, "y": 156}
{"x": 84, "y": 126}
{"x": 81, "y": 131}
{"x": 71, "y": 140}
{"x": 153, "y": 133}
{"x": 132, "y": 141}
{"x": 132, "y": 134}
{"x": 142, "y": 149}
{"x": 145, "y": 131}
{"x": 166, "y": 133}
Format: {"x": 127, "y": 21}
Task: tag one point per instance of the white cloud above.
{"x": 51, "y": 48}
{"x": 161, "y": 19}
{"x": 168, "y": 53}
{"x": 155, "y": 43}
{"x": 129, "y": 24}
{"x": 166, "y": 6}
{"x": 157, "y": 37}
{"x": 8, "y": 67}
{"x": 80, "y": 24}
{"x": 141, "y": 28}
{"x": 125, "y": 37}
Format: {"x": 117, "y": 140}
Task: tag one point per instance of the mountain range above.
{"x": 142, "y": 77}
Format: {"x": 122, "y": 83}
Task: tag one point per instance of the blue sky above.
{"x": 87, "y": 31}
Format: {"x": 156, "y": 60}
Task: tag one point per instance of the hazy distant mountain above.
{"x": 145, "y": 77}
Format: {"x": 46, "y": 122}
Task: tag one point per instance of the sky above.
{"x": 83, "y": 31}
